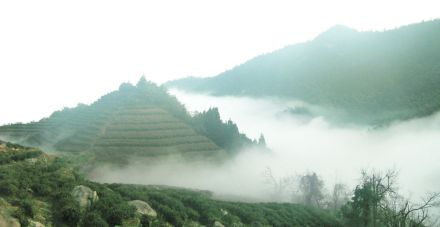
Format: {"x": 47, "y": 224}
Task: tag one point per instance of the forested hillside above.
{"x": 37, "y": 189}
{"x": 369, "y": 77}
{"x": 134, "y": 121}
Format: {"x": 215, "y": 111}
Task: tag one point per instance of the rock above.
{"x": 143, "y": 208}
{"x": 2, "y": 147}
{"x": 218, "y": 224}
{"x": 84, "y": 196}
{"x": 32, "y": 160}
{"x": 194, "y": 224}
{"x": 224, "y": 212}
{"x": 8, "y": 221}
{"x": 5, "y": 217}
{"x": 35, "y": 224}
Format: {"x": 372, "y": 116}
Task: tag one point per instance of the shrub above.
{"x": 19, "y": 214}
{"x": 93, "y": 219}
{"x": 113, "y": 208}
{"x": 41, "y": 188}
{"x": 8, "y": 189}
{"x": 28, "y": 208}
{"x": 145, "y": 221}
{"x": 71, "y": 215}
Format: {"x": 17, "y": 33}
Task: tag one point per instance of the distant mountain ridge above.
{"x": 134, "y": 121}
{"x": 373, "y": 77}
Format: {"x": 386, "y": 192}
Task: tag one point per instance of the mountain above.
{"x": 37, "y": 189}
{"x": 132, "y": 122}
{"x": 365, "y": 77}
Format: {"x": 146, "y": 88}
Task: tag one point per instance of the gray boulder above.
{"x": 218, "y": 224}
{"x": 35, "y": 224}
{"x": 143, "y": 208}
{"x": 84, "y": 196}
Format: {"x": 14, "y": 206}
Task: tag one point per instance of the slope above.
{"x": 135, "y": 121}
{"x": 374, "y": 77}
{"x": 36, "y": 188}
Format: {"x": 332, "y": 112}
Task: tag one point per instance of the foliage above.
{"x": 93, "y": 219}
{"x": 224, "y": 134}
{"x": 7, "y": 157}
{"x": 21, "y": 217}
{"x": 113, "y": 208}
{"x": 44, "y": 180}
{"x": 181, "y": 207}
{"x": 27, "y": 207}
{"x": 376, "y": 203}
{"x": 53, "y": 181}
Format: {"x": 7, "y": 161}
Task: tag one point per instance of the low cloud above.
{"x": 335, "y": 153}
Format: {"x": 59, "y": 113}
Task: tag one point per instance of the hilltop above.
{"x": 363, "y": 77}
{"x": 141, "y": 121}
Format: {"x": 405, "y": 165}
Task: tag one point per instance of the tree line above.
{"x": 375, "y": 200}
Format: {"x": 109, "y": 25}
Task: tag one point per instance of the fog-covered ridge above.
{"x": 364, "y": 77}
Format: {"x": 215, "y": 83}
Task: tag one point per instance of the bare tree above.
{"x": 339, "y": 196}
{"x": 311, "y": 187}
{"x": 382, "y": 186}
{"x": 377, "y": 203}
{"x": 278, "y": 185}
{"x": 403, "y": 212}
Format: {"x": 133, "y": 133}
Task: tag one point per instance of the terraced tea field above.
{"x": 139, "y": 122}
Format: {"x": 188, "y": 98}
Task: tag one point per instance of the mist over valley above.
{"x": 340, "y": 130}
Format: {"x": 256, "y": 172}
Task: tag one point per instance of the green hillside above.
{"x": 36, "y": 188}
{"x": 372, "y": 77}
{"x": 134, "y": 121}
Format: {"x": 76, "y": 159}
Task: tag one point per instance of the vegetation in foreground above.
{"x": 36, "y": 188}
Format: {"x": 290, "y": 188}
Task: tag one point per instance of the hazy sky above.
{"x": 58, "y": 53}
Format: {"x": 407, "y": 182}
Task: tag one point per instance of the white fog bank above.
{"x": 337, "y": 154}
